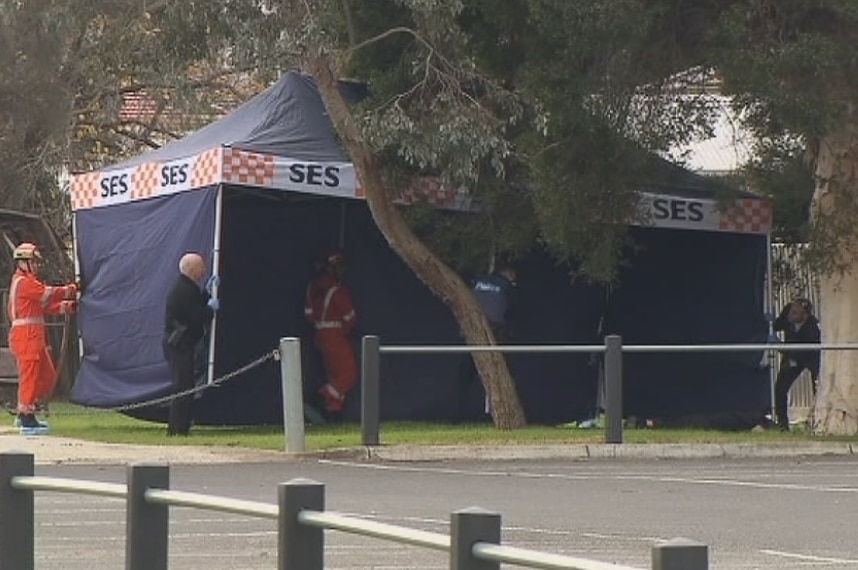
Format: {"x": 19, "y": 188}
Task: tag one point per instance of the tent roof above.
{"x": 286, "y": 119}
{"x": 671, "y": 178}
{"x": 282, "y": 139}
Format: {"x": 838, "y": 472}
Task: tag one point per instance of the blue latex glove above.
{"x": 214, "y": 281}
{"x": 214, "y": 304}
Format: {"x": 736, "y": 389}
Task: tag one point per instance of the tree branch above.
{"x": 387, "y": 34}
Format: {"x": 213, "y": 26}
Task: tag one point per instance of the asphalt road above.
{"x": 753, "y": 514}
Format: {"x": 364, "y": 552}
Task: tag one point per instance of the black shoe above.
{"x": 28, "y": 421}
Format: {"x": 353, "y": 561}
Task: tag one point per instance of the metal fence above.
{"x": 613, "y": 351}
{"x": 793, "y": 277}
{"x": 474, "y": 542}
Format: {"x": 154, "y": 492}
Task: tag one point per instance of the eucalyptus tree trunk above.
{"x": 506, "y": 408}
{"x": 835, "y": 210}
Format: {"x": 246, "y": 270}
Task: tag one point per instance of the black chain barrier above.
{"x": 268, "y": 356}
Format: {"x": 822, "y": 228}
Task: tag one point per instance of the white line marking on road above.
{"x": 596, "y": 477}
{"x": 178, "y": 535}
{"x": 649, "y": 539}
{"x": 808, "y": 557}
{"x": 521, "y": 529}
{"x": 120, "y": 511}
{"x": 174, "y": 521}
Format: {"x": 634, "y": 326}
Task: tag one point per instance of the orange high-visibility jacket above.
{"x": 29, "y": 301}
{"x": 329, "y": 305}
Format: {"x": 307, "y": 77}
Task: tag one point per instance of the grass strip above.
{"x": 69, "y": 420}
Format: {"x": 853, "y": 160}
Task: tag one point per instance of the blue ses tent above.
{"x": 264, "y": 188}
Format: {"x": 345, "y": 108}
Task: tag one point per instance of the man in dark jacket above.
{"x": 799, "y": 327}
{"x": 189, "y": 311}
{"x": 495, "y": 294}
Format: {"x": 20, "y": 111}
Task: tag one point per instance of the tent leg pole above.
{"x": 769, "y": 301}
{"x": 76, "y": 262}
{"x": 215, "y": 271}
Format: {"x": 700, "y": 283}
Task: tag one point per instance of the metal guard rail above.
{"x": 59, "y": 485}
{"x": 211, "y": 503}
{"x": 598, "y": 348}
{"x": 473, "y": 542}
{"x": 612, "y": 352}
{"x": 352, "y": 525}
{"x": 535, "y": 559}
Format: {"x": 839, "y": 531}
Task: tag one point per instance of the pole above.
{"x": 215, "y": 271}
{"x": 613, "y": 389}
{"x": 293, "y": 397}
{"x": 300, "y": 547}
{"x": 370, "y": 390}
{"x": 770, "y": 315}
{"x": 17, "y": 513}
{"x": 680, "y": 554}
{"x": 77, "y": 280}
{"x": 468, "y": 527}
{"x": 147, "y": 525}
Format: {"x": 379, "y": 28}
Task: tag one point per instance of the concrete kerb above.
{"x": 581, "y": 452}
{"x": 57, "y": 450}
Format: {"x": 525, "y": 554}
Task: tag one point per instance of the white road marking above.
{"x": 809, "y": 558}
{"x": 40, "y": 512}
{"x": 174, "y": 521}
{"x": 520, "y": 529}
{"x": 595, "y": 477}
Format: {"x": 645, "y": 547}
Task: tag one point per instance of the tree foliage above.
{"x": 92, "y": 81}
{"x": 792, "y": 69}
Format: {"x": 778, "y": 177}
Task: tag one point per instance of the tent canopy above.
{"x": 286, "y": 119}
{"x": 215, "y": 191}
{"x": 282, "y": 139}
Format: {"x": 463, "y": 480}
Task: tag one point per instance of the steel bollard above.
{"x": 468, "y": 527}
{"x": 17, "y": 513}
{"x": 680, "y": 554}
{"x": 613, "y": 389}
{"x": 293, "y": 394}
{"x": 370, "y": 398}
{"x": 147, "y": 526}
{"x": 299, "y": 547}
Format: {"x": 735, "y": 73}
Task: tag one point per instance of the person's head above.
{"x": 192, "y": 266}
{"x": 334, "y": 263}
{"x": 799, "y": 311}
{"x": 28, "y": 258}
{"x": 508, "y": 270}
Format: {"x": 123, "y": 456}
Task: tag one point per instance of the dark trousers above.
{"x": 787, "y": 375}
{"x": 468, "y": 376}
{"x": 181, "y": 362}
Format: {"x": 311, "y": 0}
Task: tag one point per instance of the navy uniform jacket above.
{"x": 493, "y": 293}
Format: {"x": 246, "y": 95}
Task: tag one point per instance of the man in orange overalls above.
{"x": 29, "y": 301}
{"x": 330, "y": 310}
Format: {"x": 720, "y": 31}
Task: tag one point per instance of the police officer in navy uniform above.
{"x": 495, "y": 293}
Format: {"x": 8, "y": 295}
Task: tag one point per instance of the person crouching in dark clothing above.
{"x": 188, "y": 313}
{"x": 494, "y": 293}
{"x": 799, "y": 327}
